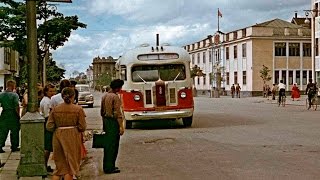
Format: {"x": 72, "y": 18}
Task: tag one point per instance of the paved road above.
{"x": 247, "y": 138}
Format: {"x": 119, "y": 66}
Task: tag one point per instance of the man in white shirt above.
{"x": 282, "y": 90}
{"x": 57, "y": 99}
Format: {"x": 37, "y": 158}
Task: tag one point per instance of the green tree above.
{"x": 103, "y": 80}
{"x": 54, "y": 31}
{"x": 196, "y": 71}
{"x": 264, "y": 74}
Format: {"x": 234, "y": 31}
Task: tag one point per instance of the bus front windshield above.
{"x": 166, "y": 72}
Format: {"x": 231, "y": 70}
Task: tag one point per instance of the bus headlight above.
{"x": 183, "y": 95}
{"x": 137, "y": 97}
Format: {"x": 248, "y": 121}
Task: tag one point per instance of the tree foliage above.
{"x": 264, "y": 74}
{"x": 103, "y": 80}
{"x": 54, "y": 30}
{"x": 196, "y": 71}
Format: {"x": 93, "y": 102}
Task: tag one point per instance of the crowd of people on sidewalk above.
{"x": 65, "y": 122}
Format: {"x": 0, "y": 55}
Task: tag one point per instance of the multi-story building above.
{"x": 315, "y": 12}
{"x": 103, "y": 67}
{"x": 283, "y": 47}
{"x": 201, "y": 56}
{"x": 9, "y": 65}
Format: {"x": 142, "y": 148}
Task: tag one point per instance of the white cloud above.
{"x": 125, "y": 24}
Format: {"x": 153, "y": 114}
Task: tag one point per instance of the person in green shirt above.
{"x": 10, "y": 117}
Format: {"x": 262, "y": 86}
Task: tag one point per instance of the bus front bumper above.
{"x": 148, "y": 115}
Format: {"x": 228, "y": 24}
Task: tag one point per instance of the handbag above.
{"x": 99, "y": 140}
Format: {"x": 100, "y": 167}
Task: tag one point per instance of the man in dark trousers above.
{"x": 113, "y": 125}
{"x": 233, "y": 89}
{"x": 311, "y": 91}
{"x": 10, "y": 117}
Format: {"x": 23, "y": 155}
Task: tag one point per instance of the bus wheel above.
{"x": 128, "y": 124}
{"x": 187, "y": 121}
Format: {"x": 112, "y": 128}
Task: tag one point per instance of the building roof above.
{"x": 278, "y": 23}
{"x": 301, "y": 21}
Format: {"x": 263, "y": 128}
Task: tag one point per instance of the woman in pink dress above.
{"x": 295, "y": 92}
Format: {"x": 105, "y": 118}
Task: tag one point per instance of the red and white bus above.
{"x": 157, "y": 84}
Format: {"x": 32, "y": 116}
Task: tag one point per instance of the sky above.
{"x": 115, "y": 26}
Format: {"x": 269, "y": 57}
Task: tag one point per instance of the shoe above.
{"x": 112, "y": 171}
{"x": 15, "y": 149}
{"x": 49, "y": 169}
{"x": 2, "y": 151}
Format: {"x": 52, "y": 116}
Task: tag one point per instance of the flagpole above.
{"x": 218, "y": 20}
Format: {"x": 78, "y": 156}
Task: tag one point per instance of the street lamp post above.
{"x": 32, "y": 161}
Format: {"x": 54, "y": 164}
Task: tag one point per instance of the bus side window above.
{"x": 123, "y": 72}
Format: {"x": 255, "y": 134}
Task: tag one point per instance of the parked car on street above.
{"x": 85, "y": 95}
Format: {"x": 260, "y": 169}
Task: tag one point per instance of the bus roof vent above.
{"x": 165, "y": 44}
{"x": 145, "y": 45}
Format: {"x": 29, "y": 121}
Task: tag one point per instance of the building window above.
{"x": 198, "y": 58}
{"x": 227, "y": 52}
{"x": 304, "y": 77}
{"x": 244, "y": 50}
{"x": 317, "y": 47}
{"x": 290, "y": 77}
{"x": 284, "y": 76}
{"x": 218, "y": 55}
{"x": 244, "y": 33}
{"x": 210, "y": 78}
{"x": 7, "y": 55}
{"x": 310, "y": 75}
{"x": 204, "y": 57}
{"x": 227, "y": 37}
{"x": 244, "y": 77}
{"x": 228, "y": 78}
{"x": 235, "y": 35}
{"x": 294, "y": 49}
{"x": 307, "y": 49}
{"x": 198, "y": 80}
{"x": 235, "y": 77}
{"x": 235, "y": 52}
{"x": 192, "y": 58}
{"x": 210, "y": 56}
{"x": 318, "y": 77}
{"x": 204, "y": 80}
{"x": 298, "y": 77}
{"x": 280, "y": 49}
{"x": 276, "y": 77}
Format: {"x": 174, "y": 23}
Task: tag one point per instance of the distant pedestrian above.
{"x": 273, "y": 91}
{"x": 10, "y": 117}
{"x": 233, "y": 89}
{"x": 112, "y": 125}
{"x": 295, "y": 92}
{"x": 238, "y": 88}
{"x": 67, "y": 121}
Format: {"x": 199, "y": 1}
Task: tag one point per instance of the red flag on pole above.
{"x": 219, "y": 13}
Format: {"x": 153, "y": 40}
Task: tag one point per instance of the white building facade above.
{"x": 283, "y": 47}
